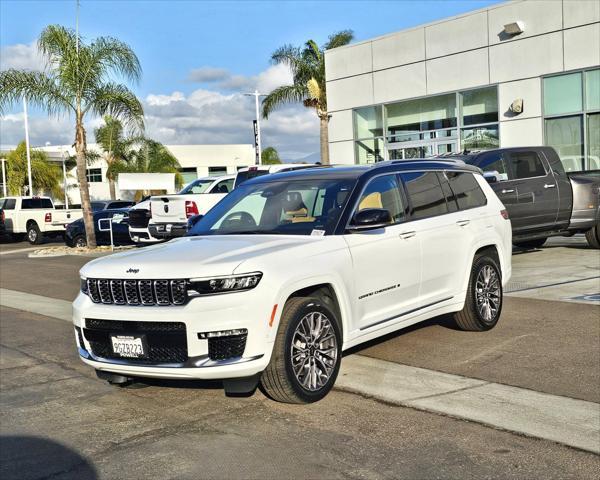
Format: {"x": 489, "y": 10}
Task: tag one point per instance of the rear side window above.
{"x": 467, "y": 191}
{"x": 526, "y": 165}
{"x": 31, "y": 203}
{"x": 425, "y": 193}
{"x": 8, "y": 204}
{"x": 247, "y": 175}
{"x": 97, "y": 206}
{"x": 120, "y": 204}
{"x": 383, "y": 192}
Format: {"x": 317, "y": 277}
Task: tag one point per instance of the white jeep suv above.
{"x": 291, "y": 269}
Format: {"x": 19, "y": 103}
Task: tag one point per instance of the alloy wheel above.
{"x": 32, "y": 235}
{"x": 488, "y": 293}
{"x": 314, "y": 351}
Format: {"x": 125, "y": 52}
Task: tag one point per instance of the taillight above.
{"x": 504, "y": 214}
{"x": 191, "y": 208}
{"x": 48, "y": 217}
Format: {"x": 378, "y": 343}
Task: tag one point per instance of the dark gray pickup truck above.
{"x": 541, "y": 198}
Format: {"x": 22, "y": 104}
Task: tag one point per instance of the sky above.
{"x": 199, "y": 57}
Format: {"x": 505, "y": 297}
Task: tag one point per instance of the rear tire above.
{"x": 306, "y": 355}
{"x": 34, "y": 235}
{"x": 537, "y": 243}
{"x": 593, "y": 236}
{"x": 79, "y": 242}
{"x": 483, "y": 303}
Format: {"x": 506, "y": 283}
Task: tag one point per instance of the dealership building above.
{"x": 514, "y": 74}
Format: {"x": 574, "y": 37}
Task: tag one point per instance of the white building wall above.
{"x": 462, "y": 52}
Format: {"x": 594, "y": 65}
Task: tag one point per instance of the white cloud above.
{"x": 208, "y": 74}
{"x": 21, "y": 56}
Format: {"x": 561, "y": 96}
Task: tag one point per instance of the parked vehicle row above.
{"x": 291, "y": 269}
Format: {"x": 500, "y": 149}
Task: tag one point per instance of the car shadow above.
{"x": 24, "y": 457}
{"x": 445, "y": 321}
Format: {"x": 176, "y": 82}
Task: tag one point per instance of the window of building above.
{"x": 571, "y": 112}
{"x": 94, "y": 175}
{"x": 480, "y": 138}
{"x": 188, "y": 174}
{"x": 217, "y": 171}
{"x": 466, "y": 189}
{"x": 368, "y": 134}
{"x": 479, "y": 106}
{"x": 425, "y": 192}
{"x": 369, "y": 151}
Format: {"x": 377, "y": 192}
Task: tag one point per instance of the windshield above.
{"x": 197, "y": 186}
{"x": 294, "y": 207}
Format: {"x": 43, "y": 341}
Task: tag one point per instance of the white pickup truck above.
{"x": 170, "y": 213}
{"x": 35, "y": 217}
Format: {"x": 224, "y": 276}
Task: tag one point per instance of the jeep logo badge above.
{"x": 133, "y": 270}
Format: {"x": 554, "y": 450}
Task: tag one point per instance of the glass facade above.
{"x": 572, "y": 118}
{"x": 427, "y": 126}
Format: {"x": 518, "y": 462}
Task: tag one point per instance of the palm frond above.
{"x": 339, "y": 39}
{"x": 282, "y": 95}
{"x": 119, "y": 102}
{"x": 40, "y": 89}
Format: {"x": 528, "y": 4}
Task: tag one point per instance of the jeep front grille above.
{"x": 137, "y": 292}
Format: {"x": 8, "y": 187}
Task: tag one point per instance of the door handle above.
{"x": 504, "y": 190}
{"x": 406, "y": 235}
{"x": 463, "y": 223}
{"x": 549, "y": 185}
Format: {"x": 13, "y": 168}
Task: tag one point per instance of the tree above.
{"x": 110, "y": 138}
{"x": 46, "y": 176}
{"x": 308, "y": 72}
{"x": 78, "y": 79}
{"x": 143, "y": 155}
{"x": 269, "y": 156}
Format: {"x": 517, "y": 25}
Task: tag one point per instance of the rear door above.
{"x": 537, "y": 193}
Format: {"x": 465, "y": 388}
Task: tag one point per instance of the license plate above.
{"x": 128, "y": 346}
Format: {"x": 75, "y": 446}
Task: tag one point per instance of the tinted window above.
{"x": 425, "y": 193}
{"x": 448, "y": 193}
{"x": 467, "y": 191}
{"x": 495, "y": 163}
{"x": 224, "y": 186}
{"x": 8, "y": 204}
{"x": 97, "y": 206}
{"x": 120, "y": 204}
{"x": 31, "y": 203}
{"x": 248, "y": 174}
{"x": 526, "y": 165}
{"x": 383, "y": 192}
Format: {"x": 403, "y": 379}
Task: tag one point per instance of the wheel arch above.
{"x": 30, "y": 223}
{"x": 487, "y": 247}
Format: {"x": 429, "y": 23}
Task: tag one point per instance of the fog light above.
{"x": 223, "y": 333}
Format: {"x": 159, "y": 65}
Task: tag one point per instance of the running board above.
{"x": 405, "y": 313}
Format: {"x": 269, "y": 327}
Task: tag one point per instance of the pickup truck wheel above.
{"x": 593, "y": 236}
{"x": 306, "y": 355}
{"x": 483, "y": 303}
{"x": 537, "y": 243}
{"x": 79, "y": 241}
{"x": 34, "y": 235}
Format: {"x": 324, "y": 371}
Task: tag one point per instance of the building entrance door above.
{"x": 421, "y": 149}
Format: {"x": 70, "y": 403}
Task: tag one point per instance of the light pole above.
{"x": 3, "y": 176}
{"x": 256, "y": 95}
{"x": 27, "y": 147}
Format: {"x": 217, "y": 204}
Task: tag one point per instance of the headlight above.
{"x": 83, "y": 285}
{"x": 233, "y": 283}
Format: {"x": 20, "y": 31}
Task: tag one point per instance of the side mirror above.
{"x": 491, "y": 177}
{"x": 369, "y": 219}
{"x": 193, "y": 220}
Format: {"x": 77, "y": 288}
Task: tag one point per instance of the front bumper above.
{"x": 203, "y": 314}
{"x": 142, "y": 235}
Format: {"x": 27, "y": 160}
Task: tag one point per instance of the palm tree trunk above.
{"x": 324, "y": 120}
{"x": 88, "y": 217}
{"x": 113, "y": 190}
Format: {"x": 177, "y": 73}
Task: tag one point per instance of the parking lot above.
{"x": 388, "y": 421}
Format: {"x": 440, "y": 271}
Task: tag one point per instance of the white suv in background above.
{"x": 291, "y": 269}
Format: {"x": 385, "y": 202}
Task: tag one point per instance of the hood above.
{"x": 190, "y": 257}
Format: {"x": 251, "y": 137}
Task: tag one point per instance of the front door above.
{"x": 386, "y": 261}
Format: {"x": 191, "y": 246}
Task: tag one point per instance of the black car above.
{"x": 118, "y": 219}
{"x": 99, "y": 205}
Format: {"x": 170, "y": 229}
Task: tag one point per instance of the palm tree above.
{"x": 308, "y": 71}
{"x": 110, "y": 138}
{"x": 143, "y": 155}
{"x": 270, "y": 156}
{"x": 78, "y": 79}
{"x": 46, "y": 176}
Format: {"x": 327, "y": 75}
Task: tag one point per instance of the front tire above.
{"x": 79, "y": 241}
{"x": 483, "y": 303}
{"x": 593, "y": 236}
{"x": 34, "y": 235}
{"x": 307, "y": 353}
